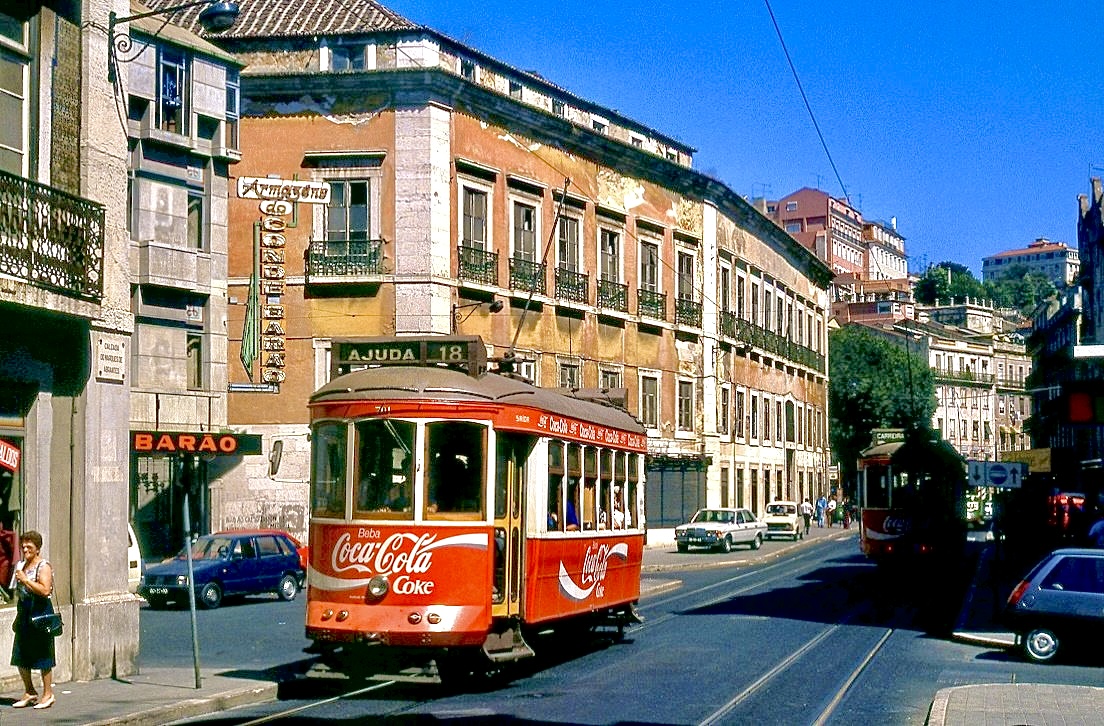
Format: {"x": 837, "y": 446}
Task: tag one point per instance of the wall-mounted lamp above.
{"x": 216, "y": 17}
{"x": 458, "y": 316}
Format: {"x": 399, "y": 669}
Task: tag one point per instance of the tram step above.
{"x": 507, "y": 646}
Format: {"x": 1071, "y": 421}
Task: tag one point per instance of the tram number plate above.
{"x": 158, "y": 590}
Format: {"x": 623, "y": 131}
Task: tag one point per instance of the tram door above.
{"x": 509, "y": 522}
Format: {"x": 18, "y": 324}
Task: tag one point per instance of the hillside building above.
{"x": 1053, "y": 260}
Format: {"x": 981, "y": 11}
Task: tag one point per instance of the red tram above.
{"x": 456, "y": 512}
{"x": 911, "y": 496}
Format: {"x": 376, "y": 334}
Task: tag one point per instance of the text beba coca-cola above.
{"x": 402, "y": 555}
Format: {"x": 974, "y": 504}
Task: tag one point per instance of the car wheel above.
{"x": 726, "y": 545}
{"x": 211, "y": 595}
{"x": 757, "y": 542}
{"x": 1040, "y": 645}
{"x": 682, "y": 547}
{"x": 288, "y": 587}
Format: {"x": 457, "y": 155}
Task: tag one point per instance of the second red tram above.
{"x": 456, "y": 512}
{"x": 910, "y": 496}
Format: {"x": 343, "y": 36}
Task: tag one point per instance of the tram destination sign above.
{"x": 462, "y": 351}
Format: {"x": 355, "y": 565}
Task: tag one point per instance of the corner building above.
{"x": 457, "y": 182}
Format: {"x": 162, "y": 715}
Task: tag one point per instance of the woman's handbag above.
{"x": 48, "y": 622}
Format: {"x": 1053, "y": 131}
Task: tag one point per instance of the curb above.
{"x": 195, "y": 707}
{"x": 937, "y": 712}
{"x": 712, "y": 563}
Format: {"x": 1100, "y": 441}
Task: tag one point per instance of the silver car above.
{"x": 1061, "y": 601}
{"x": 720, "y": 528}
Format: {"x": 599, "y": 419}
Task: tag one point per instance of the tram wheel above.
{"x": 683, "y": 547}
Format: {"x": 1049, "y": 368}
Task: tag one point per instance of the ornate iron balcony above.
{"x": 526, "y": 275}
{"x": 571, "y": 285}
{"x": 344, "y": 258}
{"x": 651, "y": 304}
{"x": 728, "y": 324}
{"x": 477, "y": 265}
{"x": 688, "y": 312}
{"x": 51, "y": 238}
{"x": 613, "y": 295}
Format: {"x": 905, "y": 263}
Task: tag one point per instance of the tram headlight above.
{"x": 378, "y": 587}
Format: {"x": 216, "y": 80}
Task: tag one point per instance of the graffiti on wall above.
{"x": 252, "y": 514}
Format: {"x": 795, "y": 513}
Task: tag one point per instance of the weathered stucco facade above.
{"x": 467, "y": 183}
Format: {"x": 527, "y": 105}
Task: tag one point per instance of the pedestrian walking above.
{"x": 831, "y": 511}
{"x": 806, "y": 513}
{"x": 821, "y": 505}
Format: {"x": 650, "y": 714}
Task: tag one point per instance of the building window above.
{"x": 467, "y": 69}
{"x": 779, "y": 422}
{"x": 557, "y": 107}
{"x": 14, "y": 72}
{"x": 233, "y": 109}
{"x": 649, "y": 266}
{"x": 475, "y": 218}
{"x": 347, "y": 216}
{"x": 571, "y": 375}
{"x": 195, "y": 220}
{"x": 649, "y": 401}
{"x": 754, "y": 417}
{"x": 609, "y": 378}
{"x": 600, "y": 127}
{"x": 195, "y": 361}
{"x": 525, "y": 231}
{"x": 567, "y": 240}
{"x": 724, "y": 289}
{"x": 754, "y": 303}
{"x": 637, "y": 142}
{"x": 347, "y": 58}
{"x": 724, "y": 413}
{"x": 172, "y": 92}
{"x": 686, "y": 405}
{"x": 791, "y": 206}
{"x": 609, "y": 253}
{"x": 515, "y": 90}
{"x": 740, "y": 414}
{"x": 685, "y": 276}
{"x": 793, "y": 227}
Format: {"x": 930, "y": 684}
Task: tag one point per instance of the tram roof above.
{"x": 445, "y": 384}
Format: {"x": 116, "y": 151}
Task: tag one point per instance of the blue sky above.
{"x": 976, "y": 125}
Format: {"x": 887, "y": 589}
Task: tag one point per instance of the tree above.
{"x": 874, "y": 383}
{"x": 947, "y": 281}
{"x": 1020, "y": 288}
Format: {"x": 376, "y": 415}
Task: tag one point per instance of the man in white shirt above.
{"x": 806, "y": 514}
{"x": 831, "y": 510}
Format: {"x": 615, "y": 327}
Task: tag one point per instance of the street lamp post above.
{"x": 217, "y": 16}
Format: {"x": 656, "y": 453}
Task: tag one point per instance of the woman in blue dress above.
{"x": 33, "y": 648}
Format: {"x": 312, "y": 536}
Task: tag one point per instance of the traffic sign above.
{"x": 1000, "y": 474}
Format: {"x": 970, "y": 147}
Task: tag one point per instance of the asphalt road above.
{"x": 817, "y": 636}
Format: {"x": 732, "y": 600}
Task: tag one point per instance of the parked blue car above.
{"x": 238, "y": 563}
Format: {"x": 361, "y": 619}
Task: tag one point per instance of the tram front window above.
{"x": 385, "y": 469}
{"x": 328, "y": 470}
{"x": 455, "y": 453}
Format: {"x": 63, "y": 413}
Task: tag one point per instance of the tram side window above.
{"x": 877, "y": 487}
{"x": 328, "y": 457}
{"x": 385, "y": 469}
{"x": 456, "y": 453}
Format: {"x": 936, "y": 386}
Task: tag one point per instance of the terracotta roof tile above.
{"x": 295, "y": 18}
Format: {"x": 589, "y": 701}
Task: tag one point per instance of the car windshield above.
{"x": 713, "y": 515}
{"x": 209, "y": 548}
{"x": 781, "y": 509}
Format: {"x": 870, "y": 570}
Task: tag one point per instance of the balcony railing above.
{"x": 772, "y": 343}
{"x": 613, "y": 295}
{"x": 728, "y": 324}
{"x": 477, "y": 265}
{"x": 650, "y": 304}
{"x": 344, "y": 258}
{"x": 527, "y": 275}
{"x": 941, "y": 374}
{"x": 51, "y": 238}
{"x": 571, "y": 285}
{"x": 688, "y": 312}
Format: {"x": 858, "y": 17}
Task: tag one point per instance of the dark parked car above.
{"x": 237, "y": 563}
{"x": 1060, "y": 602}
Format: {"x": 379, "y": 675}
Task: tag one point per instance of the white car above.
{"x": 784, "y": 520}
{"x": 720, "y": 528}
{"x": 134, "y": 561}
